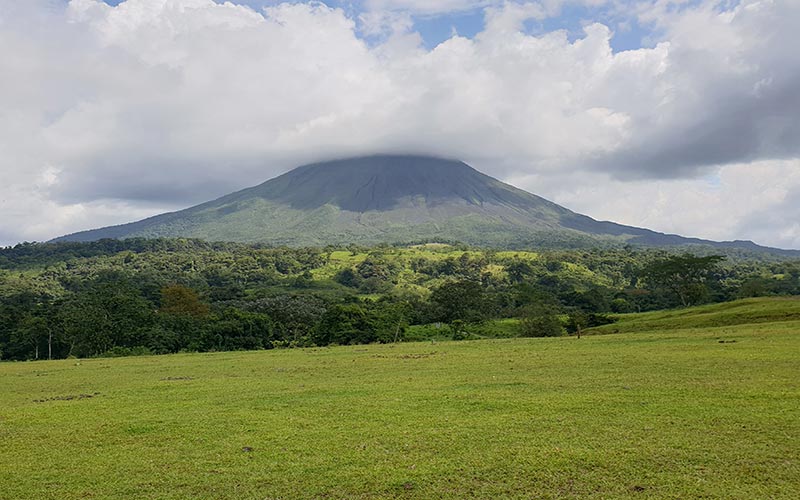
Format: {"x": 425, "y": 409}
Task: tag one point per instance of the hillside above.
{"x": 740, "y": 312}
{"x": 392, "y": 199}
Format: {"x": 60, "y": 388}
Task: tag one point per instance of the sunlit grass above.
{"x": 711, "y": 413}
{"x": 746, "y": 311}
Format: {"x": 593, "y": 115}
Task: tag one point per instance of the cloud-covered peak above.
{"x": 154, "y": 104}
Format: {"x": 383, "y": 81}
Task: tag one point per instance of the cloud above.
{"x": 727, "y": 92}
{"x": 750, "y": 201}
{"x": 112, "y": 113}
{"x": 427, "y": 6}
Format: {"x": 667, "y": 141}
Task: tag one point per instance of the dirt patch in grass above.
{"x": 410, "y": 356}
{"x": 68, "y": 397}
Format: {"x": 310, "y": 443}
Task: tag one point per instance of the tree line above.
{"x": 164, "y": 296}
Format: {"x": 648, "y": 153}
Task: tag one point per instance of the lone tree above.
{"x": 683, "y": 275}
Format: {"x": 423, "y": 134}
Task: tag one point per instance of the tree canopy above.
{"x": 163, "y": 296}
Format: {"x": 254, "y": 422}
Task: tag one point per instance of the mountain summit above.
{"x": 391, "y": 199}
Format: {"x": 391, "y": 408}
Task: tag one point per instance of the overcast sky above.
{"x": 681, "y": 116}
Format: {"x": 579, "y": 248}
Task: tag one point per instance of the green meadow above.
{"x": 675, "y": 405}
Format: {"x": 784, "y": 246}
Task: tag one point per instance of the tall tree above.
{"x": 460, "y": 300}
{"x": 683, "y": 275}
{"x": 181, "y": 300}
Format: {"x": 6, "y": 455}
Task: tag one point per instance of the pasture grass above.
{"x": 710, "y": 412}
{"x": 739, "y": 312}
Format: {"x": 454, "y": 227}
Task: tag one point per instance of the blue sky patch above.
{"x": 435, "y": 29}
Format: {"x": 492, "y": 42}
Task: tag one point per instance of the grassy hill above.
{"x": 740, "y": 312}
{"x": 670, "y": 414}
{"x": 705, "y": 318}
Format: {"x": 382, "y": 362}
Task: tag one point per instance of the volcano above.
{"x": 390, "y": 199}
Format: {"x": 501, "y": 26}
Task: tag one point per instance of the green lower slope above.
{"x": 740, "y": 312}
{"x": 264, "y": 221}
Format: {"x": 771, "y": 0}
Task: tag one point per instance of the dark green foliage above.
{"x": 519, "y": 271}
{"x": 390, "y": 319}
{"x": 109, "y": 312}
{"x": 684, "y": 276}
{"x": 460, "y": 300}
{"x": 166, "y": 296}
{"x": 577, "y": 321}
{"x": 458, "y": 330}
{"x": 234, "y": 330}
{"x": 348, "y": 277}
{"x": 345, "y": 324}
{"x": 620, "y": 305}
{"x": 376, "y": 267}
{"x": 294, "y": 316}
{"x": 541, "y": 320}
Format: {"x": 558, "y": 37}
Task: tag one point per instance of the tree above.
{"x": 110, "y": 312}
{"x": 348, "y": 277}
{"x": 389, "y": 319}
{"x": 183, "y": 301}
{"x": 540, "y": 320}
{"x": 518, "y": 271}
{"x": 345, "y": 324}
{"x": 683, "y": 275}
{"x": 577, "y": 321}
{"x": 30, "y": 333}
{"x": 295, "y": 316}
{"x": 376, "y": 267}
{"x": 462, "y": 300}
{"x": 458, "y": 330}
{"x": 235, "y": 330}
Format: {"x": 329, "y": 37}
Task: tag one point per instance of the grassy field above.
{"x": 711, "y": 412}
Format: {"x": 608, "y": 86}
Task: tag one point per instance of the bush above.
{"x": 458, "y": 330}
{"x": 540, "y": 321}
{"x": 578, "y": 321}
{"x": 348, "y": 277}
{"x": 599, "y": 320}
{"x": 620, "y": 305}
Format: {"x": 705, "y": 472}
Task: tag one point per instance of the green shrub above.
{"x": 540, "y": 321}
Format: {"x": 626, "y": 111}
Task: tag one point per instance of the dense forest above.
{"x": 140, "y": 296}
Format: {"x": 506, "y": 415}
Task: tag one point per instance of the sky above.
{"x": 682, "y": 116}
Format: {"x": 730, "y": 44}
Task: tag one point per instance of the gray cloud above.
{"x": 731, "y": 91}
{"x": 779, "y": 223}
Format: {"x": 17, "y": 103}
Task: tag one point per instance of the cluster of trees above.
{"x": 163, "y": 296}
{"x": 114, "y": 314}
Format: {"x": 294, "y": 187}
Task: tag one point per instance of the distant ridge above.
{"x": 393, "y": 199}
